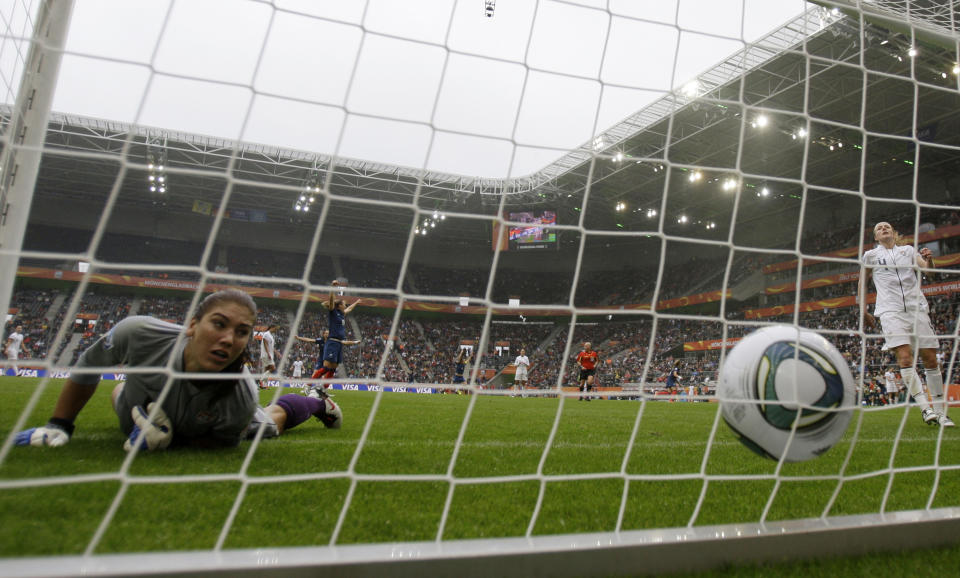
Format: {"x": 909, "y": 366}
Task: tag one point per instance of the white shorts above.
{"x": 12, "y": 354}
{"x": 908, "y": 328}
{"x": 893, "y": 389}
{"x": 521, "y": 374}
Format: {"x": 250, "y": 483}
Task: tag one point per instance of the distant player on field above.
{"x": 12, "y": 347}
{"x": 673, "y": 378}
{"x": 890, "y": 384}
{"x": 298, "y": 369}
{"x": 902, "y": 310}
{"x": 268, "y": 353}
{"x": 523, "y": 364}
{"x": 332, "y": 348}
{"x": 319, "y": 342}
{"x": 460, "y": 365}
{"x": 216, "y": 409}
{"x": 587, "y": 361}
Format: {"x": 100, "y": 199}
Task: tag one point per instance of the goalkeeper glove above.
{"x": 157, "y": 433}
{"x": 55, "y": 434}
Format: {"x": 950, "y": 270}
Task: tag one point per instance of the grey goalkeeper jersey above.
{"x": 220, "y": 409}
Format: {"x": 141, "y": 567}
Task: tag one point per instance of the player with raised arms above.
{"x": 903, "y": 313}
{"x": 337, "y": 312}
{"x": 460, "y": 365}
{"x": 217, "y": 408}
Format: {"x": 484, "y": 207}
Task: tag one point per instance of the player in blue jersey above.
{"x": 460, "y": 365}
{"x": 332, "y": 349}
{"x": 320, "y": 342}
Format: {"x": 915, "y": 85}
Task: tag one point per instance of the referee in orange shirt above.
{"x": 587, "y": 360}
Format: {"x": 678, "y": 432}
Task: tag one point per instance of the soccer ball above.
{"x": 786, "y": 393}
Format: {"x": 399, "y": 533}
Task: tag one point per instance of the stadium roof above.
{"x": 806, "y": 75}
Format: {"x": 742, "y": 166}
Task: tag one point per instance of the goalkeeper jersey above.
{"x": 201, "y": 408}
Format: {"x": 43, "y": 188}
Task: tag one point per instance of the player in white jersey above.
{"x": 298, "y": 369}
{"x": 268, "y": 362}
{"x": 903, "y": 313}
{"x": 12, "y": 347}
{"x": 890, "y": 383}
{"x": 523, "y": 364}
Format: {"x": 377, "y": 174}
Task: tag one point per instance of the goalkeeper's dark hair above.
{"x": 226, "y": 296}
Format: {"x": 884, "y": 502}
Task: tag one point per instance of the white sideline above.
{"x": 606, "y": 554}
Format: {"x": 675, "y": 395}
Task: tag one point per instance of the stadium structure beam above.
{"x": 26, "y": 133}
{"x": 270, "y": 164}
{"x": 786, "y": 37}
{"x": 930, "y": 21}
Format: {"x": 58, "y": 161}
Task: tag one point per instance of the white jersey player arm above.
{"x": 863, "y": 286}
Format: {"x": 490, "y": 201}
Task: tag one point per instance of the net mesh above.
{"x": 626, "y": 191}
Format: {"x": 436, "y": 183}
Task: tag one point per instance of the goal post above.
{"x": 650, "y": 552}
{"x": 25, "y": 135}
{"x": 536, "y": 175}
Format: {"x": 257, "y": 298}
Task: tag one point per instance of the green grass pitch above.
{"x": 413, "y": 437}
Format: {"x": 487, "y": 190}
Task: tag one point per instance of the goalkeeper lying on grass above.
{"x": 214, "y": 411}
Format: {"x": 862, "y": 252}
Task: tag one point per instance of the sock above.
{"x": 299, "y": 408}
{"x": 935, "y": 385}
{"x": 914, "y": 387}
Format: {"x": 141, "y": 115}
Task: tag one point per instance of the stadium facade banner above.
{"x": 258, "y": 293}
{"x": 813, "y": 283}
{"x": 953, "y": 395}
{"x": 853, "y": 252}
{"x": 849, "y": 301}
{"x": 710, "y": 344}
{"x": 697, "y": 299}
{"x": 409, "y": 388}
{"x": 202, "y": 207}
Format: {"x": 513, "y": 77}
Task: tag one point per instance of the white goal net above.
{"x": 502, "y": 189}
